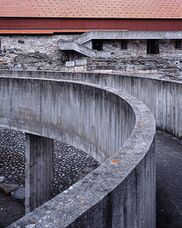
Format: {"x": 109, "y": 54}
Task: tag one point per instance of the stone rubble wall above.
{"x": 42, "y": 53}
{"x": 153, "y": 65}
{"x": 139, "y": 48}
{"x": 136, "y": 60}
{"x": 32, "y": 52}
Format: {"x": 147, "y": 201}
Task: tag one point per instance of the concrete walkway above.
{"x": 169, "y": 181}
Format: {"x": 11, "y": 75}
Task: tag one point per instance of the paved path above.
{"x": 169, "y": 181}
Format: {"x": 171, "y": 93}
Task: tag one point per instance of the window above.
{"x": 152, "y": 47}
{"x": 21, "y": 41}
{"x": 178, "y": 44}
{"x": 124, "y": 44}
{"x": 97, "y": 45}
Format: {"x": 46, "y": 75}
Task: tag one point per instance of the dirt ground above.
{"x": 10, "y": 210}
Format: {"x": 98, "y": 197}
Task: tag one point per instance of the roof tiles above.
{"x": 150, "y": 9}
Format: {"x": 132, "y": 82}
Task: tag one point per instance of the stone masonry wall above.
{"x": 42, "y": 53}
{"x": 138, "y": 48}
{"x": 135, "y": 48}
{"x": 32, "y": 52}
{"x": 135, "y": 59}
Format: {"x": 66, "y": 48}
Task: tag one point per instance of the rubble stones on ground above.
{"x": 8, "y": 188}
{"x": 19, "y": 194}
{"x": 1, "y": 179}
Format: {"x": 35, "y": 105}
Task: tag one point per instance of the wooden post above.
{"x": 39, "y": 175}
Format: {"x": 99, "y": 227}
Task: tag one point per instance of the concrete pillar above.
{"x": 39, "y": 175}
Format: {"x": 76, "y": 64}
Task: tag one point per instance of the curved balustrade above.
{"x": 162, "y": 96}
{"x": 112, "y": 126}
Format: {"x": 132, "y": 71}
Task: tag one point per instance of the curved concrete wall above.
{"x": 163, "y": 97}
{"x": 87, "y": 117}
{"x": 112, "y": 126}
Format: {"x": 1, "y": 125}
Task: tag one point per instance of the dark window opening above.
{"x": 124, "y": 44}
{"x": 97, "y": 45}
{"x": 152, "y": 47}
{"x": 178, "y": 44}
{"x": 21, "y": 41}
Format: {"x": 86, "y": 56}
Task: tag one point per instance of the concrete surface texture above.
{"x": 112, "y": 126}
{"x": 162, "y": 96}
{"x": 38, "y": 108}
{"x": 39, "y": 171}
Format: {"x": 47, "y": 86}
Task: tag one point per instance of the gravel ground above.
{"x": 70, "y": 165}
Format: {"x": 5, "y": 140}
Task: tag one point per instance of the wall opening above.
{"x": 124, "y": 44}
{"x": 152, "y": 46}
{"x": 97, "y": 45}
{"x": 178, "y": 44}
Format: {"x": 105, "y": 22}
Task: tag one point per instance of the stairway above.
{"x": 78, "y": 46}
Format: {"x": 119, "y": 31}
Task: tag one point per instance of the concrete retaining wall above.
{"x": 113, "y": 127}
{"x": 163, "y": 97}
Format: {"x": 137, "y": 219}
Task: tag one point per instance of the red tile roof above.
{"x": 160, "y": 9}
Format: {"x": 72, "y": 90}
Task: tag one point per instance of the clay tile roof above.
{"x": 92, "y": 8}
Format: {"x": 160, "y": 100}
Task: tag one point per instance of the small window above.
{"x": 124, "y": 44}
{"x": 152, "y": 47}
{"x": 21, "y": 41}
{"x": 178, "y": 44}
{"x": 97, "y": 45}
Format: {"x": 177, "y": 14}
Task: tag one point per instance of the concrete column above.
{"x": 39, "y": 175}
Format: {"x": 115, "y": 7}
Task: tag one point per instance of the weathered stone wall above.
{"x": 138, "y": 48}
{"x": 136, "y": 60}
{"x": 155, "y": 65}
{"x": 42, "y": 53}
{"x": 134, "y": 48}
{"x": 32, "y": 52}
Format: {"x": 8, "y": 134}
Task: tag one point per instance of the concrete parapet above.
{"x": 162, "y": 96}
{"x": 110, "y": 125}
